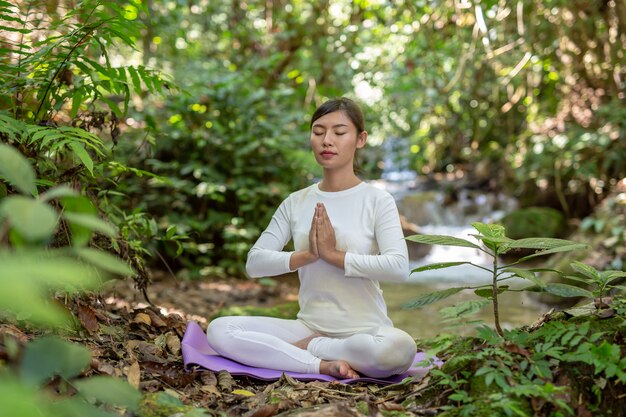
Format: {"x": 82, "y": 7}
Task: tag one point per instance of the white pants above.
{"x": 266, "y": 342}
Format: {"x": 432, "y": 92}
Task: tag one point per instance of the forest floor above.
{"x": 141, "y": 343}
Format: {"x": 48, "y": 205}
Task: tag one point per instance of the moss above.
{"x": 534, "y": 222}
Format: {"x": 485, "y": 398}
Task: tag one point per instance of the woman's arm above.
{"x": 392, "y": 263}
{"x": 267, "y": 258}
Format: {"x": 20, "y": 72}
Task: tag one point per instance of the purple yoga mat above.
{"x": 196, "y": 351}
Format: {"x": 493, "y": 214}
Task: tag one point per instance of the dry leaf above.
{"x": 134, "y": 375}
{"x": 225, "y": 381}
{"x": 267, "y": 410}
{"x": 143, "y": 318}
{"x": 157, "y": 321}
{"x": 173, "y": 344}
{"x": 87, "y": 316}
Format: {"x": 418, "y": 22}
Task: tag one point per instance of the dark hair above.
{"x": 352, "y": 110}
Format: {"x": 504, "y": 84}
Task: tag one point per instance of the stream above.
{"x": 434, "y": 212}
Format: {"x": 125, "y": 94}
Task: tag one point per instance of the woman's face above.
{"x": 334, "y": 140}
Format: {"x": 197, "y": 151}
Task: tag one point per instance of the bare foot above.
{"x": 304, "y": 343}
{"x": 338, "y": 369}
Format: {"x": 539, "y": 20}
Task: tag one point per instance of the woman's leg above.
{"x": 381, "y": 353}
{"x": 264, "y": 342}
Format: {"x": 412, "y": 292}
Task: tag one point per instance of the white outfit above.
{"x": 345, "y": 304}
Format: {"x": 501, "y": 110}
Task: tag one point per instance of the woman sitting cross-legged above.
{"x": 347, "y": 237}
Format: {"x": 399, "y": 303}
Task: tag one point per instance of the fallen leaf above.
{"x": 243, "y": 392}
{"x": 513, "y": 348}
{"x": 87, "y": 317}
{"x": 157, "y": 321}
{"x": 143, "y": 318}
{"x": 267, "y": 410}
{"x": 225, "y": 381}
{"x": 173, "y": 344}
{"x": 211, "y": 389}
{"x": 389, "y": 406}
{"x": 134, "y": 375}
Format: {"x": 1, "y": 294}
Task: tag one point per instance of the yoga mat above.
{"x": 196, "y": 351}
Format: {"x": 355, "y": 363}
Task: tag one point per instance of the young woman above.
{"x": 347, "y": 238}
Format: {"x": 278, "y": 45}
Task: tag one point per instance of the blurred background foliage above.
{"x": 198, "y": 111}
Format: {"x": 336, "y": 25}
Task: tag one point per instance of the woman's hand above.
{"x": 326, "y": 241}
{"x": 313, "y": 251}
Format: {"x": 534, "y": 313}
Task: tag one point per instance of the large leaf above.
{"x": 34, "y": 220}
{"x": 568, "y": 248}
{"x": 25, "y": 277}
{"x": 81, "y": 153}
{"x": 432, "y": 297}
{"x": 105, "y": 261}
{"x": 81, "y": 235}
{"x": 442, "y": 240}
{"x": 50, "y": 356}
{"x": 16, "y": 169}
{"x": 58, "y": 192}
{"x": 109, "y": 390}
{"x": 539, "y": 243}
{"x": 564, "y": 290}
{"x": 440, "y": 265}
{"x": 91, "y": 222}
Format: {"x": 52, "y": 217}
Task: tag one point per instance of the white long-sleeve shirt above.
{"x": 337, "y": 301}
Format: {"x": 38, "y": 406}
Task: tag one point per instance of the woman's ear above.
{"x": 361, "y": 139}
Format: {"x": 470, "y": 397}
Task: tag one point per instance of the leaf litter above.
{"x": 141, "y": 343}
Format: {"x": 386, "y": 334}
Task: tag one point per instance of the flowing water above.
{"x": 433, "y": 213}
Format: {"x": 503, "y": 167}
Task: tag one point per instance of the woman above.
{"x": 347, "y": 238}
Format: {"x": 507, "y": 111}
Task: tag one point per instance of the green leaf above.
{"x": 58, "y": 192}
{"x": 81, "y": 235}
{"x": 16, "y": 169}
{"x": 32, "y": 219}
{"x": 463, "y": 309}
{"x": 91, "y": 222}
{"x": 50, "y": 356}
{"x": 586, "y": 270}
{"x": 610, "y": 276}
{"x": 81, "y": 153}
{"x": 577, "y": 279}
{"x": 489, "y": 230}
{"x": 432, "y": 297}
{"x": 105, "y": 261}
{"x": 569, "y": 248}
{"x": 564, "y": 290}
{"x": 488, "y": 292}
{"x": 539, "y": 243}
{"x": 526, "y": 274}
{"x": 442, "y": 240}
{"x": 440, "y": 265}
{"x": 109, "y": 390}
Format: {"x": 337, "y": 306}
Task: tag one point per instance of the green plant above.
{"x": 30, "y": 273}
{"x": 601, "y": 282}
{"x": 66, "y": 101}
{"x": 496, "y": 244}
